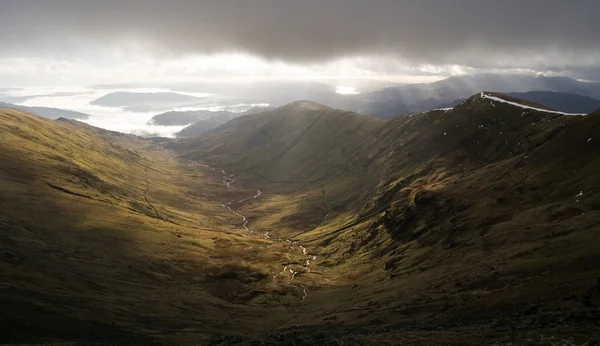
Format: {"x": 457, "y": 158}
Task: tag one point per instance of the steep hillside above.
{"x": 491, "y": 220}
{"x": 106, "y": 237}
{"x": 471, "y": 224}
{"x": 300, "y": 128}
{"x": 302, "y": 142}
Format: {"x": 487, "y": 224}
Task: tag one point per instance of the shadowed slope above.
{"x": 302, "y": 142}
{"x": 106, "y": 238}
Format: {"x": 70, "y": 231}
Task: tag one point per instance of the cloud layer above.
{"x": 533, "y": 34}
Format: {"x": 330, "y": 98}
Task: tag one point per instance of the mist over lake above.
{"x": 125, "y": 119}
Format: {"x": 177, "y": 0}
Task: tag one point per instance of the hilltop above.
{"x": 300, "y": 142}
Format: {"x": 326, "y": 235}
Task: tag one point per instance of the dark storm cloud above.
{"x": 476, "y": 33}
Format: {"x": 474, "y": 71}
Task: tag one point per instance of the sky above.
{"x": 65, "y": 42}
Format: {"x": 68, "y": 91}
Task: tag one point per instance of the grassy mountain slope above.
{"x": 107, "y": 238}
{"x": 472, "y": 225}
{"x": 303, "y": 145}
{"x": 481, "y": 220}
{"x": 492, "y": 221}
{"x": 268, "y": 139}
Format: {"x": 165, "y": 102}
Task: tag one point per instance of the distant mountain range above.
{"x": 47, "y": 112}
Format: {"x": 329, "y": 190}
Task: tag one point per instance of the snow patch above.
{"x": 497, "y": 99}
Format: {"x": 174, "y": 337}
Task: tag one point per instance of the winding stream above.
{"x": 229, "y": 181}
